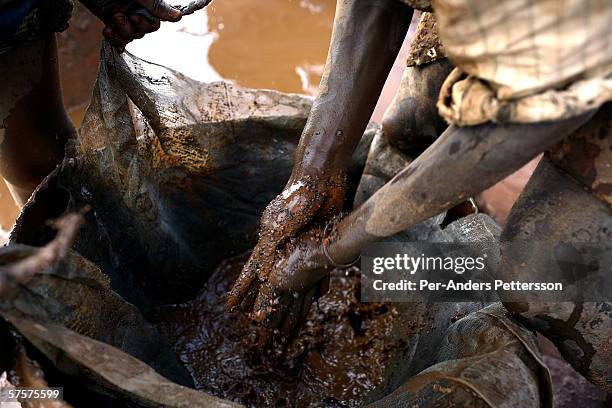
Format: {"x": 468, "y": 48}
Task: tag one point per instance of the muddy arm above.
{"x": 460, "y": 164}
{"x": 366, "y": 38}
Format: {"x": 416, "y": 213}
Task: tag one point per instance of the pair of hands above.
{"x": 127, "y": 20}
{"x": 288, "y": 270}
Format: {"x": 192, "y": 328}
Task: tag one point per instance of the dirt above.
{"x": 572, "y": 389}
{"x": 337, "y": 357}
{"x": 271, "y": 44}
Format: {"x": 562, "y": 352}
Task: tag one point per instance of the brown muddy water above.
{"x": 337, "y": 357}
{"x": 275, "y": 44}
{"x": 341, "y": 352}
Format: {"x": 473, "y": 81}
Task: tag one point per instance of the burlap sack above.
{"x": 177, "y": 173}
{"x": 521, "y": 61}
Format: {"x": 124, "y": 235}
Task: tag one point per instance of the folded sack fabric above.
{"x": 519, "y": 61}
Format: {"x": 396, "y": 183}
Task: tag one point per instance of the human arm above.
{"x": 127, "y": 20}
{"x": 366, "y": 38}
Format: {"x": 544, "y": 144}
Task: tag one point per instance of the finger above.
{"x": 307, "y": 302}
{"x": 274, "y": 317}
{"x": 250, "y": 277}
{"x": 297, "y": 314}
{"x": 123, "y": 27}
{"x": 161, "y": 9}
{"x": 241, "y": 287}
{"x": 114, "y": 39}
{"x": 282, "y": 219}
{"x": 289, "y": 325}
{"x": 248, "y": 300}
{"x": 143, "y": 25}
{"x": 266, "y": 304}
{"x": 262, "y": 259}
{"x": 323, "y": 286}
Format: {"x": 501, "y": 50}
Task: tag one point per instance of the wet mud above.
{"x": 335, "y": 360}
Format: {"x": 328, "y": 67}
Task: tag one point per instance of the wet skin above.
{"x": 124, "y": 23}
{"x": 34, "y": 124}
{"x": 461, "y": 163}
{"x": 411, "y": 123}
{"x": 366, "y": 38}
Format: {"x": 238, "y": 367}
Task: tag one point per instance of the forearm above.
{"x": 460, "y": 164}
{"x": 366, "y": 38}
{"x": 36, "y": 125}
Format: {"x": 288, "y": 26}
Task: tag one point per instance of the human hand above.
{"x": 127, "y": 20}
{"x": 304, "y": 200}
{"x": 299, "y": 276}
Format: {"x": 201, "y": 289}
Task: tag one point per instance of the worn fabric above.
{"x": 29, "y": 20}
{"x": 74, "y": 293}
{"x": 177, "y": 173}
{"x": 521, "y": 61}
{"x": 486, "y": 359}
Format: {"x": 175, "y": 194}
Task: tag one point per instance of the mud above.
{"x": 337, "y": 357}
{"x": 572, "y": 389}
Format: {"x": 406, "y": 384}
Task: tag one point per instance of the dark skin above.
{"x": 460, "y": 164}
{"x": 436, "y": 181}
{"x": 35, "y": 125}
{"x": 317, "y": 186}
{"x": 37, "y": 119}
{"x": 124, "y": 24}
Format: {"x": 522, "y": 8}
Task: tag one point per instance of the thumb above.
{"x": 161, "y": 9}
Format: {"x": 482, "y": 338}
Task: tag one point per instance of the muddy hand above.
{"x": 125, "y": 20}
{"x": 300, "y": 276}
{"x": 303, "y": 200}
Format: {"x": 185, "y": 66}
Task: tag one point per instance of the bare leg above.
{"x": 34, "y": 124}
{"x": 411, "y": 123}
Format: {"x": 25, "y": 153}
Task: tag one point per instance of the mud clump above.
{"x": 337, "y": 357}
